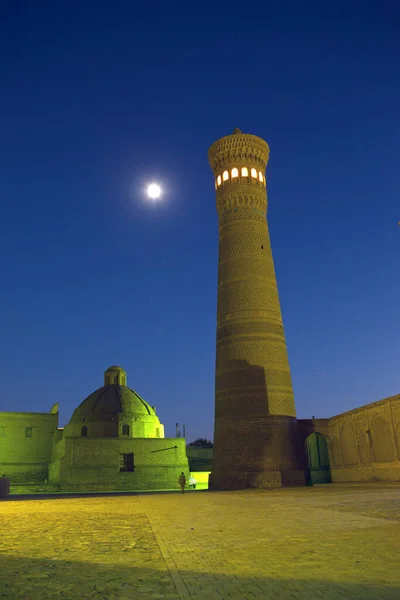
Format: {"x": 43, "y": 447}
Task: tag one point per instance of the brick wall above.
{"x": 26, "y": 445}
{"x": 364, "y": 443}
{"x": 90, "y": 463}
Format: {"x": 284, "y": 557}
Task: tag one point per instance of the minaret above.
{"x": 255, "y": 432}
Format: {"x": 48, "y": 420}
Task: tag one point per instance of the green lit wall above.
{"x": 140, "y": 426}
{"x": 93, "y": 463}
{"x": 26, "y": 441}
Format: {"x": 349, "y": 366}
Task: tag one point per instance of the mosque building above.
{"x": 113, "y": 441}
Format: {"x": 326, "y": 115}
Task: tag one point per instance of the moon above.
{"x": 154, "y": 191}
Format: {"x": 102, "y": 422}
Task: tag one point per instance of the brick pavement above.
{"x": 330, "y": 542}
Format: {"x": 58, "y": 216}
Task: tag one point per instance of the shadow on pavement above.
{"x": 71, "y": 580}
{"x": 69, "y": 495}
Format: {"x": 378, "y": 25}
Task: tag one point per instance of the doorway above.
{"x": 318, "y": 458}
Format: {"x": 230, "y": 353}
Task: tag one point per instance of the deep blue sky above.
{"x": 97, "y": 98}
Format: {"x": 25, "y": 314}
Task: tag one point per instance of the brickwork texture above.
{"x": 255, "y": 425}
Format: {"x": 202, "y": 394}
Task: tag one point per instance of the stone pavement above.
{"x": 331, "y": 542}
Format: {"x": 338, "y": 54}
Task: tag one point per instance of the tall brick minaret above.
{"x": 255, "y": 434}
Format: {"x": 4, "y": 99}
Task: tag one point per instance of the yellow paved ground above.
{"x": 325, "y": 542}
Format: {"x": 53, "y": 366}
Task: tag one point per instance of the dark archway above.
{"x": 318, "y": 458}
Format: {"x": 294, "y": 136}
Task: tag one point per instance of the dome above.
{"x": 114, "y": 410}
{"x": 110, "y": 402}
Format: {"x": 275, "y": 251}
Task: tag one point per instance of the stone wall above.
{"x": 94, "y": 464}
{"x": 26, "y": 445}
{"x": 364, "y": 443}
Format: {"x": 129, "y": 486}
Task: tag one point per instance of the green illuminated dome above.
{"x": 105, "y": 411}
{"x": 111, "y": 400}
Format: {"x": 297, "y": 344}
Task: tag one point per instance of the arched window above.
{"x": 215, "y": 184}
{"x": 245, "y": 172}
{"x": 84, "y": 431}
{"x": 225, "y": 175}
{"x": 235, "y": 172}
{"x": 260, "y": 176}
{"x": 125, "y": 429}
{"x": 254, "y": 173}
{"x": 219, "y": 180}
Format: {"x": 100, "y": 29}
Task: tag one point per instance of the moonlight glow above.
{"x": 153, "y": 191}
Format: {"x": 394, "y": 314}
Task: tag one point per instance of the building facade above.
{"x": 113, "y": 441}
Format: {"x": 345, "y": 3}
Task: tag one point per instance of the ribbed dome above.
{"x": 109, "y": 401}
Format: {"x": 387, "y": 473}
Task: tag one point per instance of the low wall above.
{"x": 91, "y": 464}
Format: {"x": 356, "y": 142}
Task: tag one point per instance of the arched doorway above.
{"x": 318, "y": 458}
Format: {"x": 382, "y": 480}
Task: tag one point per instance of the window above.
{"x": 225, "y": 175}
{"x": 125, "y": 429}
{"x": 126, "y": 463}
{"x": 235, "y": 172}
{"x": 116, "y": 379}
{"x": 28, "y": 432}
{"x": 260, "y": 176}
{"x": 157, "y": 432}
{"x": 254, "y": 173}
{"x": 84, "y": 431}
{"x": 245, "y": 172}
{"x": 219, "y": 180}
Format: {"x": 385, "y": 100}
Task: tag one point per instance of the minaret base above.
{"x": 266, "y": 480}
{"x": 257, "y": 453}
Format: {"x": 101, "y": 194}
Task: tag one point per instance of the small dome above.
{"x": 115, "y": 375}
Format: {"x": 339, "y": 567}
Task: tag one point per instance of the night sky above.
{"x": 99, "y": 98}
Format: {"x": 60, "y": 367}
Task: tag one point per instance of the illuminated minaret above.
{"x": 255, "y": 433}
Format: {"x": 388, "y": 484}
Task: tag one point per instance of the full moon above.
{"x": 153, "y": 191}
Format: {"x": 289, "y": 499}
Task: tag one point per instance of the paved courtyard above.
{"x": 329, "y": 542}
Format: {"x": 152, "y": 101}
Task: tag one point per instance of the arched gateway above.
{"x": 318, "y": 458}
